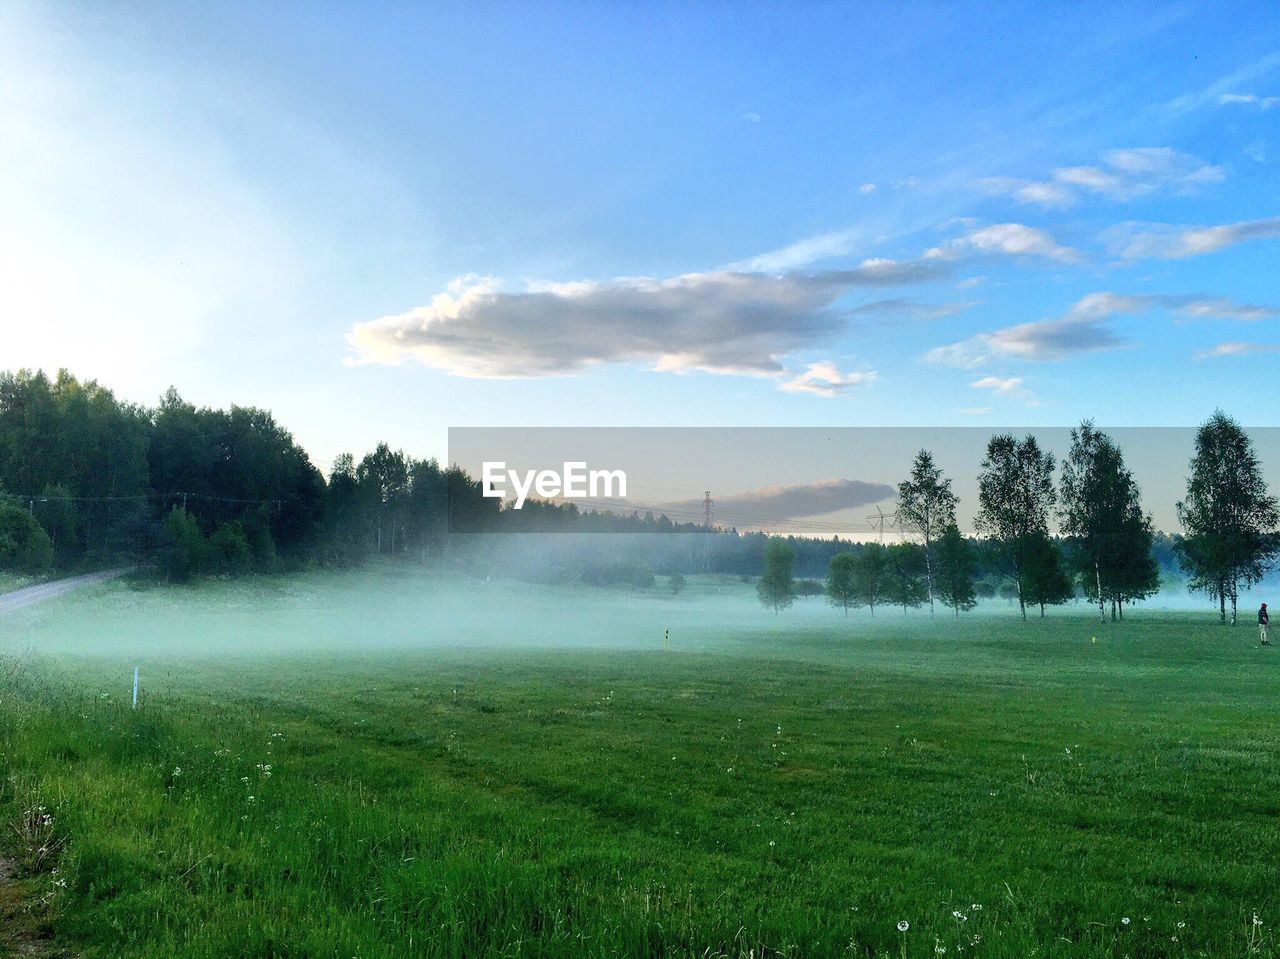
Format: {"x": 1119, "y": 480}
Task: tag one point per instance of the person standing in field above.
{"x": 1263, "y": 622}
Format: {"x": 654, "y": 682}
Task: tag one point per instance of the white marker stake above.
{"x": 135, "y": 687}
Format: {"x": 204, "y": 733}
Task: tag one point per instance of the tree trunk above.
{"x": 1042, "y": 610}
{"x": 1222, "y": 606}
{"x": 1234, "y": 597}
{"x": 928, "y": 575}
{"x": 1102, "y": 605}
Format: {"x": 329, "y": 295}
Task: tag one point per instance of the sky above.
{"x": 383, "y": 221}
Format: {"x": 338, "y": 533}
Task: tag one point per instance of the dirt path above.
{"x": 20, "y": 598}
{"x": 23, "y": 933}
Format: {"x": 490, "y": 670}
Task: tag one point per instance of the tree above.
{"x": 55, "y": 511}
{"x": 676, "y": 583}
{"x": 777, "y": 583}
{"x": 905, "y": 575}
{"x": 1228, "y": 515}
{"x": 24, "y": 545}
{"x": 1109, "y": 535}
{"x": 187, "y": 550}
{"x": 957, "y": 565}
{"x": 1015, "y": 494}
{"x": 1044, "y": 579}
{"x": 871, "y": 578}
{"x": 926, "y": 507}
{"x": 842, "y": 581}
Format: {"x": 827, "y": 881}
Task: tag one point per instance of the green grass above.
{"x": 792, "y": 785}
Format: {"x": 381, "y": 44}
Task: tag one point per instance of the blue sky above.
{"x": 384, "y": 220}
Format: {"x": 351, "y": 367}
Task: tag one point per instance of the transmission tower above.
{"x": 882, "y": 519}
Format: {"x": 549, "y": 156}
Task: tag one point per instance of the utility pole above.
{"x": 706, "y": 510}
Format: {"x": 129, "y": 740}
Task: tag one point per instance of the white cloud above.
{"x": 974, "y": 410}
{"x": 751, "y": 117}
{"x": 867, "y": 188}
{"x": 1248, "y": 99}
{"x": 1124, "y": 175}
{"x": 997, "y": 385}
{"x": 1134, "y": 241}
{"x": 1009, "y": 239}
{"x": 1237, "y": 349}
{"x": 1084, "y": 328}
{"x": 825, "y": 379}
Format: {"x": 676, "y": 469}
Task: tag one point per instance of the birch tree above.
{"x": 926, "y": 507}
{"x": 1015, "y": 496}
{"x": 1229, "y": 516}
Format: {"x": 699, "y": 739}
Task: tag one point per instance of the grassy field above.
{"x": 376, "y": 765}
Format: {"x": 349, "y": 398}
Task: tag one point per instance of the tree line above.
{"x": 1106, "y": 548}
{"x": 87, "y": 479}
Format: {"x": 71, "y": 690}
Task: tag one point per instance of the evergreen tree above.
{"x": 1044, "y": 577}
{"x": 957, "y": 566}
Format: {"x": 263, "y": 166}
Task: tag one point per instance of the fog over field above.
{"x": 397, "y": 608}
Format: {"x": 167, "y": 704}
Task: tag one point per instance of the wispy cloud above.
{"x": 1223, "y": 86}
{"x": 1248, "y": 99}
{"x": 813, "y": 249}
{"x": 1011, "y": 387}
{"x": 904, "y": 308}
{"x": 999, "y": 386}
{"x": 1136, "y": 241}
{"x": 1237, "y": 349}
{"x": 825, "y": 379}
{"x": 1084, "y": 329}
{"x": 1123, "y": 175}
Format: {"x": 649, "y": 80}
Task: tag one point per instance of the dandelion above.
{"x": 903, "y": 926}
{"x": 177, "y": 770}
{"x": 1182, "y": 925}
{"x": 1125, "y": 920}
{"x": 976, "y": 906}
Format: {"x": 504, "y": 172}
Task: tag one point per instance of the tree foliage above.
{"x": 957, "y": 567}
{"x": 1015, "y": 495}
{"x": 1110, "y": 537}
{"x": 1228, "y": 515}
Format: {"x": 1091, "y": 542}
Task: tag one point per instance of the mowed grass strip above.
{"x": 1004, "y": 789}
